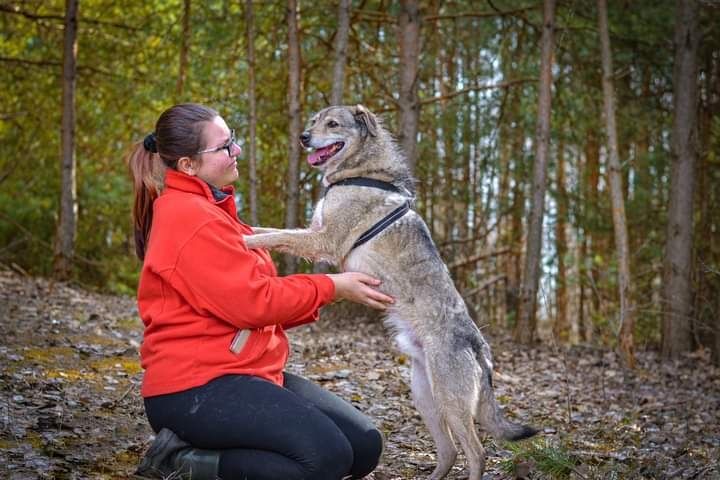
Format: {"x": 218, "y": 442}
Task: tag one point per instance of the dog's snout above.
{"x": 305, "y": 138}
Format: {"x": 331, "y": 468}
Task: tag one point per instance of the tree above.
{"x": 252, "y": 112}
{"x": 293, "y": 173}
{"x": 184, "y": 50}
{"x": 67, "y": 227}
{"x": 677, "y": 286}
{"x": 341, "y": 42}
{"x": 409, "y": 43}
{"x": 562, "y": 326}
{"x": 614, "y": 173}
{"x": 525, "y": 327}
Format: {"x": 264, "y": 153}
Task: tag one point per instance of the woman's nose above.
{"x": 236, "y": 150}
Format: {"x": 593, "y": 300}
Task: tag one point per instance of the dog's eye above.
{"x": 331, "y": 124}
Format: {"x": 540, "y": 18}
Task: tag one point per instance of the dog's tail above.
{"x": 491, "y": 418}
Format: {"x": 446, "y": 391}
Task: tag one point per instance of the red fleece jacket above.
{"x": 200, "y": 285}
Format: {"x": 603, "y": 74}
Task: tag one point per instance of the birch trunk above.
{"x": 525, "y": 328}
{"x": 614, "y": 173}
{"x": 677, "y": 285}
{"x": 293, "y": 174}
{"x": 409, "y": 40}
{"x": 252, "y": 113}
{"x": 67, "y": 227}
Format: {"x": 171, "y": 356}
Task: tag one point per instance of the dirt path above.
{"x": 70, "y": 405}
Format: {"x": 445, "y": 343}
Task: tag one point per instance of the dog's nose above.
{"x": 305, "y": 138}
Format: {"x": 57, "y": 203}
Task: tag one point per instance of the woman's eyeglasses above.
{"x": 227, "y": 146}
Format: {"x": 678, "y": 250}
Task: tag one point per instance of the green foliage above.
{"x": 552, "y": 460}
{"x": 475, "y": 149}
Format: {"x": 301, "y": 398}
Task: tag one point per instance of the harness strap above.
{"x": 365, "y": 182}
{"x": 388, "y": 220}
{"x": 382, "y": 224}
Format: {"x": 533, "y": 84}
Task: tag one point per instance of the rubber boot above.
{"x": 171, "y": 456}
{"x": 196, "y": 464}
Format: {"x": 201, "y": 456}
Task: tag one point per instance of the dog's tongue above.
{"x": 316, "y": 157}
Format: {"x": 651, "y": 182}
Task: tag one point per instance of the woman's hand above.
{"x": 358, "y": 287}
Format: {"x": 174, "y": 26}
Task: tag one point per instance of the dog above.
{"x": 451, "y": 363}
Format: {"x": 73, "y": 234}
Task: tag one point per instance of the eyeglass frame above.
{"x": 228, "y": 146}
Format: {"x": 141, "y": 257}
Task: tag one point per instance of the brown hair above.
{"x": 178, "y": 133}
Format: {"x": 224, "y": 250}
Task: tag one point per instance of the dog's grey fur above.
{"x": 451, "y": 362}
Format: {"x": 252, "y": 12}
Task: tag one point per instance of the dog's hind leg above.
{"x": 431, "y": 415}
{"x": 462, "y": 426}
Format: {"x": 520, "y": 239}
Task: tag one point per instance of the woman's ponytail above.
{"x": 147, "y": 172}
{"x": 178, "y": 133}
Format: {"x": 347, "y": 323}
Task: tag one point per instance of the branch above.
{"x": 373, "y": 16}
{"x": 31, "y": 236}
{"x": 496, "y": 13}
{"x": 484, "y": 285}
{"x": 479, "y": 256}
{"x": 480, "y": 235}
{"x": 14, "y": 10}
{"x": 508, "y": 84}
{"x": 54, "y": 64}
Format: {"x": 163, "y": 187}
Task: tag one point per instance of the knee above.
{"x": 367, "y": 453}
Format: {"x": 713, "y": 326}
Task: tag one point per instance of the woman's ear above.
{"x": 185, "y": 165}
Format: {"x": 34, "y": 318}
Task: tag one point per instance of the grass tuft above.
{"x": 540, "y": 455}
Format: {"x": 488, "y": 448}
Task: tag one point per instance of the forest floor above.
{"x": 70, "y": 405}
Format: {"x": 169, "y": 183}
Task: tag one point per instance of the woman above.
{"x": 215, "y": 315}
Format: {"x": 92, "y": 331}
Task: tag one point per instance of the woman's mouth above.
{"x": 322, "y": 155}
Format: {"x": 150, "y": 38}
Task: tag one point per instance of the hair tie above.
{"x": 150, "y": 143}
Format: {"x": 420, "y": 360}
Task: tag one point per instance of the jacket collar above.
{"x": 178, "y": 181}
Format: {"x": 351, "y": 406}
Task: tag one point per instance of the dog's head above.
{"x": 336, "y": 134}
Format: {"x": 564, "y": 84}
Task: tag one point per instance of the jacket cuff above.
{"x": 326, "y": 292}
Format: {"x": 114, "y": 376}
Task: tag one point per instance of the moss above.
{"x": 6, "y": 444}
{"x": 129, "y": 324}
{"x": 131, "y": 366}
{"x": 48, "y": 355}
{"x": 69, "y": 374}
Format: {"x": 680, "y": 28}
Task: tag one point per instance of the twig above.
{"x": 484, "y": 285}
{"x": 122, "y": 397}
{"x": 479, "y": 256}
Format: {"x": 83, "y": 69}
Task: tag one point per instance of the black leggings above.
{"x": 268, "y": 432}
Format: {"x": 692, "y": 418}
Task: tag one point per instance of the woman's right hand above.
{"x": 360, "y": 288}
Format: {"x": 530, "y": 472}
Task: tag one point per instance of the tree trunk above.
{"x": 677, "y": 286}
{"x": 614, "y": 173}
{"x": 562, "y": 326}
{"x": 409, "y": 40}
{"x": 525, "y": 328}
{"x": 184, "y": 50}
{"x": 67, "y": 228}
{"x": 293, "y": 174}
{"x": 341, "y": 42}
{"x": 252, "y": 113}
{"x": 707, "y": 248}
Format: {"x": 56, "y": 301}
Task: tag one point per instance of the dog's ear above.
{"x": 364, "y": 117}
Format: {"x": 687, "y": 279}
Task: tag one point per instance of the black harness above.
{"x": 388, "y": 219}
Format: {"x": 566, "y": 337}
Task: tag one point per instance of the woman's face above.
{"x": 217, "y": 164}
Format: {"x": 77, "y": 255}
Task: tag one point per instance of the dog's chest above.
{"x": 317, "y": 219}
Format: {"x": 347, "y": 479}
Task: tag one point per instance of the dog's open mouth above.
{"x": 322, "y": 155}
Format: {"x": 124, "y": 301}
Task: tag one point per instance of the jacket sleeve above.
{"x": 219, "y": 275}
